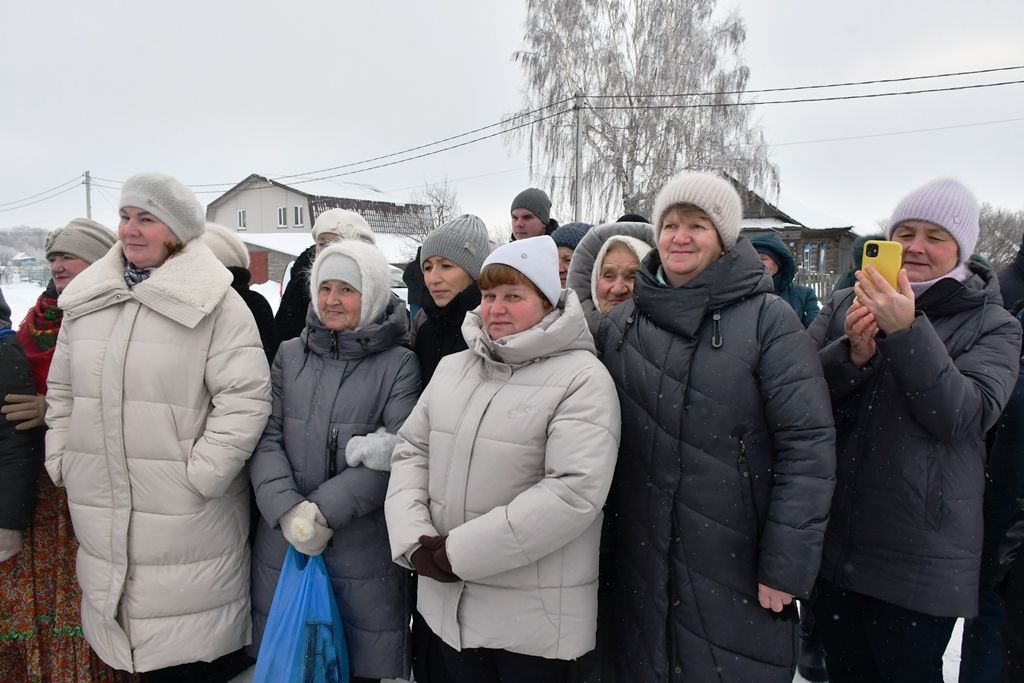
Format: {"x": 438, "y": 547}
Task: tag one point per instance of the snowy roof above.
{"x": 396, "y": 248}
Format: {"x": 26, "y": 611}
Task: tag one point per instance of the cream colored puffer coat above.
{"x": 157, "y": 397}
{"x": 510, "y": 451}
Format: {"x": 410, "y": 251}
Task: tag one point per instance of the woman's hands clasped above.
{"x": 877, "y": 307}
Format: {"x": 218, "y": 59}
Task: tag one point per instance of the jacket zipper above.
{"x": 332, "y": 454}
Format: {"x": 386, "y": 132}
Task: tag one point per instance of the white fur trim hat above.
{"x": 637, "y": 246}
{"x": 537, "y": 259}
{"x": 348, "y": 225}
{"x": 167, "y": 199}
{"x": 713, "y": 195}
{"x": 226, "y": 246}
{"x": 359, "y": 264}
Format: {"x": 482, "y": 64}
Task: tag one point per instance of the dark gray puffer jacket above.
{"x": 328, "y": 387}
{"x": 906, "y": 524}
{"x": 724, "y": 477}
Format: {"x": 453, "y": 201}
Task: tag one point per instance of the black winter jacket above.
{"x": 261, "y": 311}
{"x": 724, "y": 476}
{"x": 21, "y": 452}
{"x": 291, "y": 312}
{"x": 1011, "y": 280}
{"x": 440, "y": 334}
{"x": 906, "y": 521}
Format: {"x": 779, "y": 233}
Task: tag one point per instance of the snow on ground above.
{"x": 20, "y": 296}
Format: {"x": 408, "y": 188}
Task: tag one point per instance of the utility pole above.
{"x": 578, "y": 106}
{"x": 88, "y": 195}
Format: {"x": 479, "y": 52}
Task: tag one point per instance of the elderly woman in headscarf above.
{"x": 163, "y": 365}
{"x": 604, "y": 266}
{"x": 341, "y": 391}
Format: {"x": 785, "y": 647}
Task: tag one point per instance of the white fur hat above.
{"x": 638, "y": 247}
{"x": 537, "y": 259}
{"x": 167, "y": 199}
{"x": 348, "y": 225}
{"x": 226, "y": 246}
{"x": 713, "y": 195}
{"x": 371, "y": 270}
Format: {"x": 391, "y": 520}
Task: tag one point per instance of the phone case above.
{"x": 888, "y": 261}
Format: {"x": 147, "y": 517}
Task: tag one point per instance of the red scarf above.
{"x": 38, "y": 335}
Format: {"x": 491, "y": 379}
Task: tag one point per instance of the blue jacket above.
{"x": 802, "y": 299}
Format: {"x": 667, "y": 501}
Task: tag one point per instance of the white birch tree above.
{"x": 633, "y": 49}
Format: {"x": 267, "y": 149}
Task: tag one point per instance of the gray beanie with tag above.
{"x": 463, "y": 241}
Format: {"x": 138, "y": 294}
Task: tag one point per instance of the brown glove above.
{"x": 25, "y": 409}
{"x": 423, "y": 560}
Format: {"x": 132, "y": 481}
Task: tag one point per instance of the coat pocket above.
{"x": 746, "y": 484}
{"x": 933, "y": 500}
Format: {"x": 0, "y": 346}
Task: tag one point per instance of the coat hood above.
{"x": 186, "y": 288}
{"x": 737, "y": 274}
{"x": 771, "y": 244}
{"x": 563, "y": 329}
{"x": 583, "y": 258}
{"x": 390, "y": 329}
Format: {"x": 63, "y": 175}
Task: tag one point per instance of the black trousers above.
{"x": 482, "y": 665}
{"x": 1013, "y": 626}
{"x": 220, "y": 670}
{"x": 871, "y": 641}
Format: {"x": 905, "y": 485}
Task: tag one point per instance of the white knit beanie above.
{"x": 637, "y": 246}
{"x": 348, "y": 225}
{"x": 167, "y": 199}
{"x": 713, "y": 195}
{"x": 537, "y": 259}
{"x": 348, "y": 260}
{"x": 226, "y": 246}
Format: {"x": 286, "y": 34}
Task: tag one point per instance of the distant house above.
{"x": 821, "y": 253}
{"x": 275, "y": 221}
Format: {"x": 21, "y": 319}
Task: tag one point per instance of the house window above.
{"x": 808, "y": 248}
{"x": 241, "y": 219}
{"x": 282, "y": 216}
{"x": 821, "y": 257}
{"x": 298, "y": 216}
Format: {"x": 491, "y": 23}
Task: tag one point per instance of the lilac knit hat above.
{"x": 948, "y": 204}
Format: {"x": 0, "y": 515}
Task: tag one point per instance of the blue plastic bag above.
{"x": 304, "y": 641}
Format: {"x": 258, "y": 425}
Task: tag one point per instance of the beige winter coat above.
{"x": 157, "y": 396}
{"x": 510, "y": 451}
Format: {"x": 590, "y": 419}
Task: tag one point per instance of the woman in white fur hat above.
{"x": 718, "y": 508}
{"x": 341, "y": 391}
{"x": 500, "y": 476}
{"x": 163, "y": 365}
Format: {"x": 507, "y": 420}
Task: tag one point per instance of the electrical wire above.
{"x": 835, "y": 98}
{"x": 819, "y": 86}
{"x": 76, "y": 179}
{"x": 889, "y": 134}
{"x": 43, "y": 199}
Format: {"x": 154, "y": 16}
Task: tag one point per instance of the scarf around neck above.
{"x": 960, "y": 274}
{"x": 38, "y": 334}
{"x": 133, "y": 275}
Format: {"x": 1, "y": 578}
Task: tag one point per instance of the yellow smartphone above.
{"x": 886, "y": 257}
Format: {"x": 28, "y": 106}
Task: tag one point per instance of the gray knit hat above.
{"x": 462, "y": 241}
{"x": 713, "y": 195}
{"x": 83, "y": 238}
{"x": 948, "y": 204}
{"x": 570, "y": 234}
{"x": 167, "y": 199}
{"x": 226, "y": 246}
{"x": 536, "y": 201}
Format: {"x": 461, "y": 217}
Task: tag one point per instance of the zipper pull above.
{"x": 332, "y": 454}
{"x": 716, "y": 330}
{"x": 334, "y": 345}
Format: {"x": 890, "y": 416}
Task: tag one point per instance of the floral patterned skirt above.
{"x": 40, "y": 631}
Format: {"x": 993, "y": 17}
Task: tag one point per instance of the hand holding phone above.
{"x": 885, "y": 257}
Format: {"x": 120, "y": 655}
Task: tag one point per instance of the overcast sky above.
{"x": 212, "y": 91}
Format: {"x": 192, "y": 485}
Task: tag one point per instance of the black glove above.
{"x": 423, "y": 560}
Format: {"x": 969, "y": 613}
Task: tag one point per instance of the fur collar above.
{"x": 186, "y": 288}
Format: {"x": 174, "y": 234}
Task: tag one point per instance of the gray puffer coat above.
{"x": 906, "y": 523}
{"x": 327, "y": 388}
{"x": 724, "y": 476}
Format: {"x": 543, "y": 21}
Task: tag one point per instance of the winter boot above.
{"x": 812, "y": 653}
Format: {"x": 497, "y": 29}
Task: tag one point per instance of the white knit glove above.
{"x": 373, "y": 450}
{"x": 10, "y": 543}
{"x": 306, "y": 528}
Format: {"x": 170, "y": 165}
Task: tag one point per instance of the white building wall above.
{"x": 261, "y": 201}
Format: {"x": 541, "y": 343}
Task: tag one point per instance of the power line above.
{"x": 76, "y": 179}
{"x": 834, "y": 98}
{"x": 43, "y": 199}
{"x": 891, "y": 133}
{"x": 820, "y": 86}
